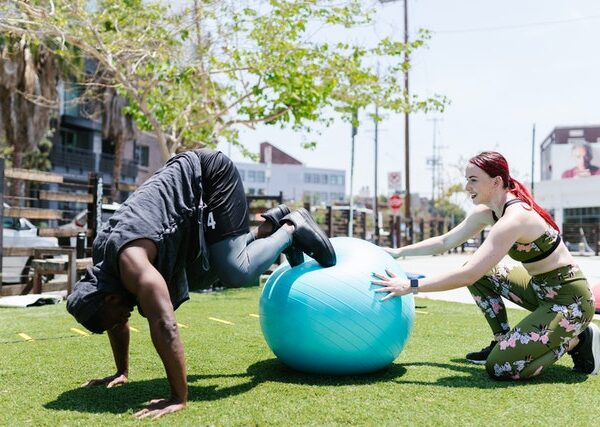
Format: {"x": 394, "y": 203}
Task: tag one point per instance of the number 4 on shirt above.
{"x": 211, "y": 221}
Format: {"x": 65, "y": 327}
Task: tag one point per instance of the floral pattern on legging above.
{"x": 572, "y": 320}
{"x": 512, "y": 369}
{"x": 493, "y": 305}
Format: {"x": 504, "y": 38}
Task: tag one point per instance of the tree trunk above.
{"x": 119, "y": 128}
{"x": 117, "y": 166}
{"x": 28, "y": 96}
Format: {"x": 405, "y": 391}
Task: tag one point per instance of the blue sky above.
{"x": 505, "y": 66}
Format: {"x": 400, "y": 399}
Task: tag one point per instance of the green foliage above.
{"x": 446, "y": 208}
{"x": 39, "y": 157}
{"x": 234, "y": 379}
{"x": 195, "y": 75}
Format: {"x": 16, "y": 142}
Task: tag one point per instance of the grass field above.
{"x": 234, "y": 379}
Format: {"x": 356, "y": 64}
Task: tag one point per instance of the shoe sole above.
{"x": 283, "y": 211}
{"x": 477, "y": 362}
{"x": 595, "y": 347}
{"x": 322, "y": 236}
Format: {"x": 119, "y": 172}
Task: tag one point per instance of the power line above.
{"x": 517, "y": 26}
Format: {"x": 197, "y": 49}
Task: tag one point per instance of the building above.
{"x": 78, "y": 147}
{"x": 277, "y": 172}
{"x": 570, "y": 175}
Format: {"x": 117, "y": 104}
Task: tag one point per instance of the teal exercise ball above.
{"x": 329, "y": 320}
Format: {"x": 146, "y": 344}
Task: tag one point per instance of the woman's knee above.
{"x": 505, "y": 370}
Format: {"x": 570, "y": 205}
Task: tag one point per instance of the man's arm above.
{"x": 142, "y": 279}
{"x": 156, "y": 304}
{"x": 119, "y": 342}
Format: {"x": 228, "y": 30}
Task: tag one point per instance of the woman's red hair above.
{"x": 494, "y": 164}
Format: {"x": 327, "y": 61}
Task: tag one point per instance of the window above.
{"x": 252, "y": 176}
{"x": 581, "y": 215}
{"x": 141, "y": 155}
{"x": 307, "y": 178}
{"x": 73, "y": 140}
{"x": 8, "y": 222}
{"x": 260, "y": 176}
{"x": 336, "y": 179}
{"x": 324, "y": 179}
{"x": 71, "y": 99}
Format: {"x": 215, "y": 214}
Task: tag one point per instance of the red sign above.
{"x": 395, "y": 202}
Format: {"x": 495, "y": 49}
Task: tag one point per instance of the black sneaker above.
{"x": 310, "y": 238}
{"x": 294, "y": 255}
{"x": 586, "y": 355}
{"x": 479, "y": 357}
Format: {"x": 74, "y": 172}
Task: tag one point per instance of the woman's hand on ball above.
{"x": 392, "y": 284}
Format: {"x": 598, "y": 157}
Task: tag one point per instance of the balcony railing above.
{"x": 85, "y": 160}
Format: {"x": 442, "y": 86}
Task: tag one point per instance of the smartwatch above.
{"x": 414, "y": 285}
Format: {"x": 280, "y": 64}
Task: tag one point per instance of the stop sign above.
{"x": 395, "y": 202}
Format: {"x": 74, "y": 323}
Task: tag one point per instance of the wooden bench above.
{"x": 64, "y": 262}
{"x": 47, "y": 201}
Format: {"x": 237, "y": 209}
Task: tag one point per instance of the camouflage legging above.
{"x": 561, "y": 306}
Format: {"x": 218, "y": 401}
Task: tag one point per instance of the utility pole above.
{"x": 351, "y": 205}
{"x": 375, "y": 199}
{"x": 406, "y": 115}
{"x": 406, "y": 119}
{"x": 532, "y": 157}
{"x": 434, "y": 161}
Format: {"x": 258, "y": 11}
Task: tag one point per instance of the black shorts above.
{"x": 226, "y": 209}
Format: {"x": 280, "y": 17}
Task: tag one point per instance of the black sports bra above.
{"x": 534, "y": 251}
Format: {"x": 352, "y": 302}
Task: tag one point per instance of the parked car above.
{"x": 20, "y": 232}
{"x": 79, "y": 221}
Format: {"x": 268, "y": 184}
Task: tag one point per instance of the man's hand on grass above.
{"x": 159, "y": 407}
{"x": 109, "y": 382}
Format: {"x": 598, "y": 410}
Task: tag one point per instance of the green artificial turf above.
{"x": 234, "y": 379}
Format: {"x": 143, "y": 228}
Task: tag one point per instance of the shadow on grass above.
{"x": 475, "y": 376}
{"x": 135, "y": 394}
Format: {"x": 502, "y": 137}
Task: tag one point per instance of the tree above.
{"x": 194, "y": 76}
{"x": 448, "y": 209}
{"x": 118, "y": 127}
{"x": 29, "y": 73}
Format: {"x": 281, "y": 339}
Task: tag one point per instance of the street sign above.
{"x": 395, "y": 203}
{"x": 394, "y": 181}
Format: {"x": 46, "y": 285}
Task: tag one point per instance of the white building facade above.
{"x": 296, "y": 181}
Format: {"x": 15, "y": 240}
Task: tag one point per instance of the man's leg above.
{"x": 240, "y": 260}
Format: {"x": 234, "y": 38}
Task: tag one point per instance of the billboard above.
{"x": 578, "y": 159}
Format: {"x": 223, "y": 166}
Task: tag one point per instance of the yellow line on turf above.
{"x": 131, "y": 328}
{"x": 421, "y": 312}
{"x": 254, "y": 315}
{"x": 80, "y": 332}
{"x": 25, "y": 337}
{"x": 220, "y": 320}
{"x": 181, "y": 325}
